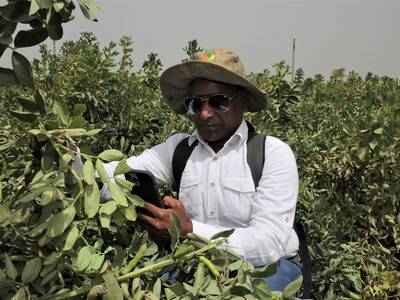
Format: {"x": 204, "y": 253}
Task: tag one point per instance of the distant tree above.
{"x": 191, "y": 48}
{"x": 318, "y": 78}
{"x": 299, "y": 76}
{"x": 337, "y": 75}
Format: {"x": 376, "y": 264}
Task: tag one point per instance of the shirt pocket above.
{"x": 189, "y": 192}
{"x": 238, "y": 194}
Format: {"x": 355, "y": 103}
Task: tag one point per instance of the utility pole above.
{"x": 293, "y": 50}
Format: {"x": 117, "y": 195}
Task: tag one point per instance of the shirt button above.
{"x": 212, "y": 183}
{"x": 215, "y": 157}
{"x": 212, "y": 213}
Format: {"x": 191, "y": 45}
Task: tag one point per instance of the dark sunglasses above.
{"x": 218, "y": 102}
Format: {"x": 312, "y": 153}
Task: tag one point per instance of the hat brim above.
{"x": 175, "y": 81}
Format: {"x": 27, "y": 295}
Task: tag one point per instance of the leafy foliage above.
{"x": 60, "y": 240}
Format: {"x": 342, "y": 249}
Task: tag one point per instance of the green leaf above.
{"x": 213, "y": 288}
{"x": 84, "y": 257}
{"x": 124, "y": 184}
{"x": 61, "y": 109}
{"x": 27, "y": 104}
{"x": 197, "y": 238}
{"x": 105, "y": 221}
{"x": 71, "y": 238}
{"x": 38, "y": 230}
{"x": 22, "y": 69}
{"x": 45, "y": 3}
{"x": 10, "y": 268}
{"x": 3, "y": 276}
{"x": 79, "y": 109}
{"x": 76, "y": 122}
{"x": 122, "y": 168}
{"x": 48, "y": 277}
{"x": 59, "y": 222}
{"x": 108, "y": 208}
{"x": 34, "y": 7}
{"x": 40, "y": 104}
{"x": 4, "y": 212}
{"x": 102, "y": 171}
{"x": 1, "y": 193}
{"x": 264, "y": 272}
{"x": 117, "y": 194}
{"x": 54, "y": 27}
{"x": 7, "y": 77}
{"x": 223, "y": 234}
{"x": 157, "y": 289}
{"x": 5, "y": 39}
{"x": 29, "y": 38}
{"x": 130, "y": 213}
{"x": 47, "y": 197}
{"x": 199, "y": 277}
{"x": 92, "y": 200}
{"x": 16, "y": 12}
{"x": 292, "y": 288}
{"x": 88, "y": 172}
{"x": 114, "y": 292}
{"x": 96, "y": 261}
{"x": 111, "y": 155}
{"x": 89, "y": 8}
{"x": 58, "y": 5}
{"x": 136, "y": 200}
{"x": 93, "y": 132}
{"x": 175, "y": 231}
{"x": 373, "y": 144}
{"x": 261, "y": 288}
{"x": 378, "y": 131}
{"x": 6, "y": 26}
{"x": 31, "y": 270}
{"x": 3, "y": 48}
{"x": 24, "y": 116}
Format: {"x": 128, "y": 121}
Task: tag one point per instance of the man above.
{"x": 217, "y": 191}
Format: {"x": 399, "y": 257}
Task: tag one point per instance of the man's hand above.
{"x": 161, "y": 219}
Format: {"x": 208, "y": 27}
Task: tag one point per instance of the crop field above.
{"x": 59, "y": 240}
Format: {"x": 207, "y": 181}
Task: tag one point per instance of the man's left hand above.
{"x": 161, "y": 219}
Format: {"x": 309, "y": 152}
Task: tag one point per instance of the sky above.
{"x": 355, "y": 35}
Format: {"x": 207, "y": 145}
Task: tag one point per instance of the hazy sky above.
{"x": 356, "y": 35}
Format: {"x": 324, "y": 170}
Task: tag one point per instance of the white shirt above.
{"x": 217, "y": 190}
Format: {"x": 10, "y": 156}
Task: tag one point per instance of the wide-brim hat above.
{"x": 215, "y": 64}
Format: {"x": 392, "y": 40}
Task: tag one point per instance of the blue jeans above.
{"x": 287, "y": 271}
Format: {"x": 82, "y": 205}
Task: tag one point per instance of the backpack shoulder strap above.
{"x": 256, "y": 155}
{"x": 180, "y": 157}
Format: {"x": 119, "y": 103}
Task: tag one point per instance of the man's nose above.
{"x": 206, "y": 111}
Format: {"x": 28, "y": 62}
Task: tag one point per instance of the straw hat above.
{"x": 216, "y": 64}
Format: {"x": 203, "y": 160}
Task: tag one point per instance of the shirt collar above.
{"x": 240, "y": 134}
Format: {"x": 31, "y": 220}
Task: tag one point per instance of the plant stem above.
{"x": 76, "y": 152}
{"x": 136, "y": 273}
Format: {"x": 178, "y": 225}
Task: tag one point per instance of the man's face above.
{"x": 217, "y": 127}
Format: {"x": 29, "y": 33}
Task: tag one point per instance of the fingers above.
{"x": 156, "y": 211}
{"x": 154, "y": 222}
{"x": 171, "y": 202}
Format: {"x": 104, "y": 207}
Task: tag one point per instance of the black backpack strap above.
{"x": 179, "y": 159}
{"x": 256, "y": 155}
{"x": 305, "y": 260}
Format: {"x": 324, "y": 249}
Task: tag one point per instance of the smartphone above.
{"x": 145, "y": 187}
